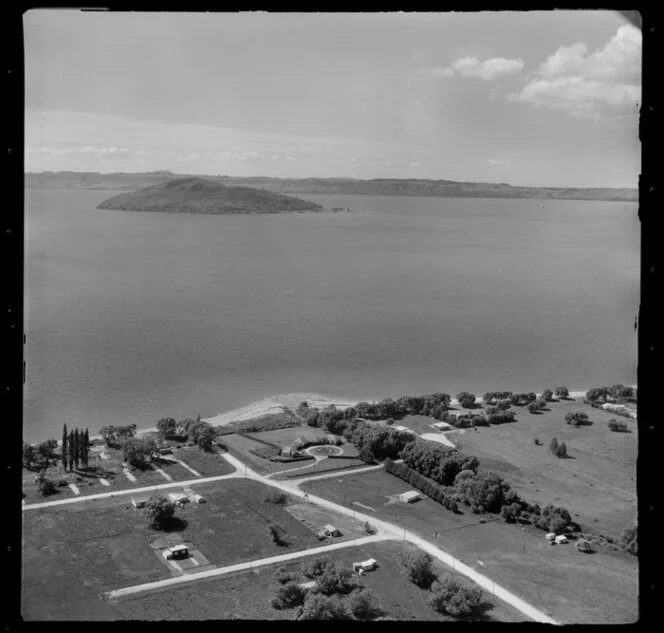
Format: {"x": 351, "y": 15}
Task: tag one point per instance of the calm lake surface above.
{"x": 132, "y": 316}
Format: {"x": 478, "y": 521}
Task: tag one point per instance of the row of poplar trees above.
{"x": 75, "y": 448}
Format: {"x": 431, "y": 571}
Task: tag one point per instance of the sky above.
{"x": 531, "y": 99}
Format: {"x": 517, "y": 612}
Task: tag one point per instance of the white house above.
{"x": 139, "y": 502}
{"x": 365, "y": 565}
{"x": 308, "y": 585}
{"x": 330, "y": 530}
{"x": 562, "y": 539}
{"x": 176, "y": 552}
{"x": 289, "y": 451}
{"x": 442, "y": 425}
{"x": 550, "y": 536}
{"x": 409, "y": 497}
{"x": 178, "y": 498}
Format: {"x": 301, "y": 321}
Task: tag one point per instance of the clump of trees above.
{"x": 364, "y": 605}
{"x": 138, "y": 451}
{"x": 168, "y": 428}
{"x": 537, "y": 405}
{"x": 318, "y": 566}
{"x": 493, "y": 397}
{"x": 486, "y": 492}
{"x": 38, "y": 457}
{"x": 437, "y": 461}
{"x": 501, "y": 417}
{"x": 417, "y": 567}
{"x": 283, "y": 575}
{"x": 547, "y": 395}
{"x": 289, "y": 596}
{"x": 465, "y": 420}
{"x": 615, "y": 393}
{"x": 554, "y": 519}
{"x": 559, "y": 449}
{"x": 159, "y": 512}
{"x": 336, "y": 581}
{"x": 45, "y": 485}
{"x": 562, "y": 392}
{"x": 455, "y": 597}
{"x": 115, "y": 435}
{"x": 465, "y": 399}
{"x": 319, "y": 607}
{"x": 576, "y": 418}
{"x": 523, "y": 399}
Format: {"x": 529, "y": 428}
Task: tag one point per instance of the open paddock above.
{"x": 207, "y": 464}
{"x": 571, "y": 586}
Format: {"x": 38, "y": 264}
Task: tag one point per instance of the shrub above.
{"x": 553, "y": 446}
{"x": 502, "y": 417}
{"x": 547, "y": 395}
{"x": 618, "y": 426}
{"x": 576, "y": 418}
{"x": 46, "y": 486}
{"x": 455, "y": 597}
{"x": 276, "y": 497}
{"x": 363, "y": 605}
{"x": 283, "y": 575}
{"x": 319, "y": 607}
{"x": 584, "y": 545}
{"x": 159, "y": 511}
{"x": 289, "y": 596}
{"x": 417, "y": 568}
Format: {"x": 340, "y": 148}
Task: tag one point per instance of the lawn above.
{"x": 287, "y": 437}
{"x": 72, "y": 553}
{"x": 207, "y": 464}
{"x": 246, "y": 595}
{"x": 322, "y": 466}
{"x": 571, "y": 586}
{"x": 597, "y": 483}
{"x": 241, "y": 447}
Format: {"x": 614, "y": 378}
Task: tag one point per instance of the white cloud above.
{"x": 495, "y": 161}
{"x": 606, "y": 82}
{"x": 472, "y": 67}
{"x": 101, "y": 152}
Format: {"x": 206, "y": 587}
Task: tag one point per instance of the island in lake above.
{"x": 199, "y": 195}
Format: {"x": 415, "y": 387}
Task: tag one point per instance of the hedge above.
{"x": 429, "y": 487}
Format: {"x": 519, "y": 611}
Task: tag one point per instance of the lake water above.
{"x": 131, "y": 317}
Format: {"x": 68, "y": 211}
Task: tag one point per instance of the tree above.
{"x": 319, "y": 607}
{"x": 77, "y": 448}
{"x": 486, "y": 489}
{"x": 312, "y": 418}
{"x": 72, "y": 449}
{"x": 289, "y": 596}
{"x": 561, "y": 451}
{"x": 576, "y": 418}
{"x": 138, "y": 452}
{"x": 159, "y": 511}
{"x": 510, "y": 512}
{"x": 318, "y": 566}
{"x": 86, "y": 448}
{"x": 562, "y": 392}
{"x": 466, "y": 399}
{"x": 276, "y": 533}
{"x": 553, "y": 446}
{"x": 335, "y": 581}
{"x": 283, "y": 575}
{"x": 363, "y": 605}
{"x": 503, "y": 405}
{"x": 533, "y": 408}
{"x": 64, "y": 453}
{"x": 583, "y": 545}
{"x": 45, "y": 485}
{"x": 29, "y": 456}
{"x": 618, "y": 426}
{"x": 554, "y": 519}
{"x": 168, "y": 428}
{"x": 629, "y": 538}
{"x": 206, "y": 437}
{"x": 417, "y": 568}
{"x": 547, "y": 394}
{"x": 454, "y": 597}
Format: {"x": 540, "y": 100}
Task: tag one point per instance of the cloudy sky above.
{"x": 537, "y": 98}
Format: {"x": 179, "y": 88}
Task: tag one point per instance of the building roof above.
{"x": 330, "y": 528}
{"x": 178, "y": 548}
{"x": 177, "y": 496}
{"x": 308, "y": 585}
{"x": 411, "y": 494}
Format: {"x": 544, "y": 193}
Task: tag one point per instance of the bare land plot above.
{"x": 597, "y": 483}
{"x": 571, "y": 586}
{"x": 207, "y": 464}
{"x": 246, "y": 595}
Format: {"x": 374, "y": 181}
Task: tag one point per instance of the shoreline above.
{"x": 278, "y": 403}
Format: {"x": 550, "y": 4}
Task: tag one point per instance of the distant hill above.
{"x": 344, "y": 186}
{"x": 199, "y": 195}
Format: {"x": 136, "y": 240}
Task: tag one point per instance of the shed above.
{"x": 330, "y": 530}
{"x": 289, "y": 450}
{"x": 176, "y": 552}
{"x": 550, "y": 536}
{"x": 139, "y": 502}
{"x": 365, "y": 565}
{"x": 409, "y": 497}
{"x": 178, "y": 498}
{"x": 442, "y": 425}
{"x": 197, "y": 498}
{"x": 561, "y": 539}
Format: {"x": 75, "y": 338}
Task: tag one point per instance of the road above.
{"x": 261, "y": 562}
{"x": 385, "y": 529}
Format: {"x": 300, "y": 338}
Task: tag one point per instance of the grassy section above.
{"x": 247, "y": 595}
{"x": 240, "y": 447}
{"x": 323, "y": 466}
{"x": 72, "y": 553}
{"x": 287, "y": 437}
{"x": 571, "y": 586}
{"x": 418, "y": 423}
{"x": 207, "y": 464}
{"x": 598, "y": 481}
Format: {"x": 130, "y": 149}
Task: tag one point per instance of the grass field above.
{"x": 571, "y": 586}
{"x": 247, "y": 595}
{"x": 597, "y": 483}
{"x": 71, "y": 551}
{"x": 207, "y": 464}
{"x": 287, "y": 437}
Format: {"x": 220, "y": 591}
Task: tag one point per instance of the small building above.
{"x": 139, "y": 502}
{"x": 365, "y": 565}
{"x": 550, "y": 536}
{"x": 176, "y": 552}
{"x": 442, "y": 425}
{"x": 308, "y": 585}
{"x": 561, "y": 540}
{"x": 409, "y": 497}
{"x": 166, "y": 451}
{"x": 330, "y": 530}
{"x": 289, "y": 451}
{"x": 178, "y": 498}
{"x": 196, "y": 498}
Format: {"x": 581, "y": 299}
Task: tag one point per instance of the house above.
{"x": 330, "y": 530}
{"x": 365, "y": 565}
{"x": 308, "y": 585}
{"x": 165, "y": 451}
{"x": 442, "y": 425}
{"x": 139, "y": 502}
{"x": 550, "y": 536}
{"x": 176, "y": 552}
{"x": 562, "y": 539}
{"x": 409, "y": 497}
{"x": 290, "y": 451}
{"x": 197, "y": 498}
{"x": 178, "y": 498}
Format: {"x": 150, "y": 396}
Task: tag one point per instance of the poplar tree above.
{"x": 71, "y": 450}
{"x": 64, "y": 446}
{"x": 86, "y": 448}
{"x": 77, "y": 447}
